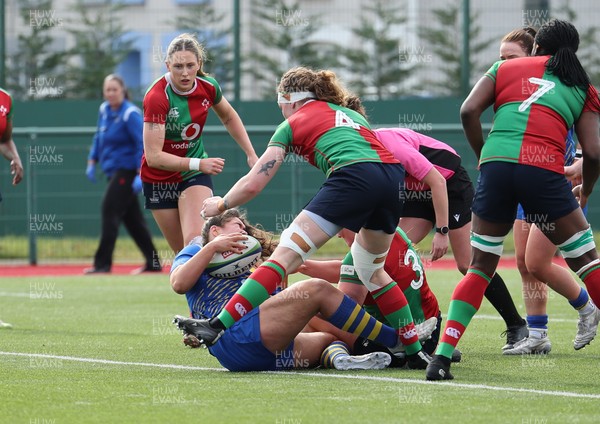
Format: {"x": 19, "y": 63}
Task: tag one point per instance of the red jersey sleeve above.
{"x": 592, "y": 103}
{"x": 10, "y": 108}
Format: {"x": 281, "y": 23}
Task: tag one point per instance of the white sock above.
{"x": 537, "y": 333}
{"x": 587, "y": 309}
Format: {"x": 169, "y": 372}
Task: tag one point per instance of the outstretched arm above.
{"x": 249, "y": 186}
{"x": 326, "y": 270}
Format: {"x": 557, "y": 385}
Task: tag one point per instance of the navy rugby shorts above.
{"x": 545, "y": 195}
{"x": 165, "y": 195}
{"x": 365, "y": 194}
{"x": 240, "y": 348}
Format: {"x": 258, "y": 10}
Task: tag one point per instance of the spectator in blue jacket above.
{"x": 118, "y": 147}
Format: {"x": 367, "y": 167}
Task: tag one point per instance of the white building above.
{"x": 151, "y": 26}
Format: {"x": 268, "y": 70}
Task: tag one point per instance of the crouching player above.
{"x": 269, "y": 337}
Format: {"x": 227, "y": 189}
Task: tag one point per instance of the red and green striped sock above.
{"x": 350, "y": 317}
{"x": 393, "y": 305}
{"x": 466, "y": 300}
{"x": 591, "y": 279}
{"x": 256, "y": 289}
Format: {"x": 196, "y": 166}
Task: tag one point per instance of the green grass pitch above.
{"x": 103, "y": 350}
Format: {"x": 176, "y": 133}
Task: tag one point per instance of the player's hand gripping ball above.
{"x": 232, "y": 265}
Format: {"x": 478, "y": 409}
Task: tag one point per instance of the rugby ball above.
{"x": 232, "y": 265}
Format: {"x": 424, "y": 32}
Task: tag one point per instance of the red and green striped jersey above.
{"x": 406, "y": 269}
{"x": 533, "y": 113}
{"x": 184, "y": 116}
{"x": 6, "y": 110}
{"x": 330, "y": 137}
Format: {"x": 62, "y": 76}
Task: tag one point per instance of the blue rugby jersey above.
{"x": 571, "y": 148}
{"x": 210, "y": 294}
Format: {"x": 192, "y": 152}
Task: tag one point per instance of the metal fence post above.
{"x": 237, "y": 73}
{"x": 31, "y": 201}
{"x": 465, "y": 68}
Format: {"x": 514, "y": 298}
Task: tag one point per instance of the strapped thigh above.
{"x": 295, "y": 238}
{"x": 578, "y": 244}
{"x": 489, "y": 244}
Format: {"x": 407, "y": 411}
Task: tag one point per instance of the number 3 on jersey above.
{"x": 343, "y": 120}
{"x": 544, "y": 87}
{"x": 412, "y": 259}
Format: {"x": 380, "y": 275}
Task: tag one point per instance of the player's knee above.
{"x": 296, "y": 239}
{"x": 522, "y": 266}
{"x": 536, "y": 271}
{"x": 462, "y": 267}
{"x": 380, "y": 278}
{"x": 536, "y": 268}
{"x": 368, "y": 266}
{"x": 311, "y": 288}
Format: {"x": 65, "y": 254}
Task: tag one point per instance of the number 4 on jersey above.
{"x": 343, "y": 120}
{"x": 544, "y": 87}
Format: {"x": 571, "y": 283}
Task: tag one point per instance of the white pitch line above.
{"x": 109, "y": 362}
{"x": 450, "y": 384}
{"x": 15, "y": 294}
{"x": 314, "y": 374}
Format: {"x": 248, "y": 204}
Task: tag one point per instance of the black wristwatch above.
{"x": 442, "y": 230}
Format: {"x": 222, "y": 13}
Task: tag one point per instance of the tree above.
{"x": 445, "y": 41}
{"x": 202, "y": 20}
{"x": 588, "y": 53}
{"x": 33, "y": 71}
{"x": 283, "y": 40}
{"x": 99, "y": 47}
{"x": 380, "y": 66}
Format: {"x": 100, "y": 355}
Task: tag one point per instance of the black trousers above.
{"x": 121, "y": 205}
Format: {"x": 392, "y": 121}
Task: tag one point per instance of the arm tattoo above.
{"x": 265, "y": 168}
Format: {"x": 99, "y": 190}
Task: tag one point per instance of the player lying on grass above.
{"x": 269, "y": 337}
{"x": 404, "y": 265}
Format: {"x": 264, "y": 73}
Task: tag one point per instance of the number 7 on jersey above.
{"x": 544, "y": 87}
